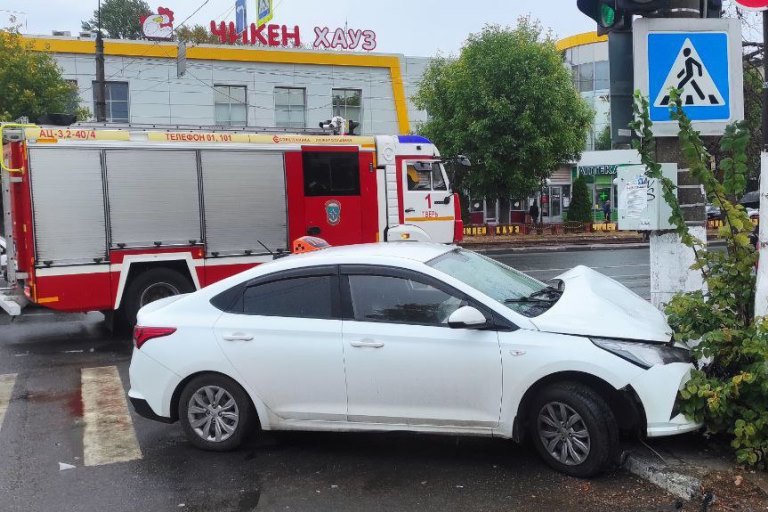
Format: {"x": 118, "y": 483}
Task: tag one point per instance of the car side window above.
{"x": 398, "y": 300}
{"x": 300, "y": 297}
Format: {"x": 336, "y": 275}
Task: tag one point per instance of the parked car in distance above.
{"x": 412, "y": 336}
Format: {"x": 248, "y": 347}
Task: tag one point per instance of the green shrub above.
{"x": 580, "y": 209}
{"x": 729, "y": 390}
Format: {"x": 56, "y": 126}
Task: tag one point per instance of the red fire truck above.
{"x": 112, "y": 219}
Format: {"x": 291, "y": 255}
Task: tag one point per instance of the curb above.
{"x": 556, "y": 248}
{"x": 649, "y": 468}
{"x": 490, "y": 250}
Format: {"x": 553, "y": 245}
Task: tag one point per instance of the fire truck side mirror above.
{"x": 463, "y": 160}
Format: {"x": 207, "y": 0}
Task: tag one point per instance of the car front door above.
{"x": 404, "y": 365}
{"x": 283, "y": 336}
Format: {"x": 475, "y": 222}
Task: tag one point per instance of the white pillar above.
{"x": 761, "y": 290}
{"x": 671, "y": 266}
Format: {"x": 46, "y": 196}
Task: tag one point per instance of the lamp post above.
{"x": 99, "y": 91}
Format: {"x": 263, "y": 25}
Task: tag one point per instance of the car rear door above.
{"x": 404, "y": 365}
{"x": 283, "y": 336}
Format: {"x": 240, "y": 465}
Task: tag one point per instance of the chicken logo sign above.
{"x": 333, "y": 212}
{"x": 158, "y": 26}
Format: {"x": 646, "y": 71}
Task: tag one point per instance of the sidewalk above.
{"x": 700, "y": 470}
{"x": 552, "y": 242}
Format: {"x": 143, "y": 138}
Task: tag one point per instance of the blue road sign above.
{"x": 241, "y": 16}
{"x": 697, "y": 63}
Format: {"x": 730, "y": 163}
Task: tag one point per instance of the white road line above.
{"x": 593, "y": 268}
{"x": 109, "y": 435}
{"x": 6, "y": 388}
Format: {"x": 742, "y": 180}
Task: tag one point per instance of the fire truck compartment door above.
{"x": 153, "y": 197}
{"x": 333, "y": 196}
{"x": 244, "y": 201}
{"x": 68, "y": 198}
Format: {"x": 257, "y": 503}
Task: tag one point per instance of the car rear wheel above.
{"x": 216, "y": 413}
{"x": 573, "y": 429}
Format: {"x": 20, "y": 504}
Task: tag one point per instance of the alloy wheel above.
{"x": 563, "y": 433}
{"x": 213, "y": 414}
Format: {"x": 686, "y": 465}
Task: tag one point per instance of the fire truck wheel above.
{"x": 149, "y": 286}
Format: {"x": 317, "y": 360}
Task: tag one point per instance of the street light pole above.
{"x": 99, "y": 91}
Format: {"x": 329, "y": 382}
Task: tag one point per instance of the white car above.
{"x": 418, "y": 337}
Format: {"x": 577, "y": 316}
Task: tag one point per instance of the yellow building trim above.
{"x": 219, "y": 53}
{"x": 580, "y": 40}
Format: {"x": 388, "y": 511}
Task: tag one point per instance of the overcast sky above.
{"x": 412, "y": 27}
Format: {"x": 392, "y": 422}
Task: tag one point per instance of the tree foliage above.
{"x": 509, "y": 104}
{"x": 603, "y": 141}
{"x": 31, "y": 82}
{"x": 581, "y": 202}
{"x": 729, "y": 390}
{"x": 196, "y": 35}
{"x": 120, "y": 19}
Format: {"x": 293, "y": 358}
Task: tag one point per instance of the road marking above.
{"x": 6, "y": 388}
{"x": 593, "y": 268}
{"x": 109, "y": 435}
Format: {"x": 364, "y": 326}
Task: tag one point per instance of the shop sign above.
{"x": 158, "y": 26}
{"x": 597, "y": 170}
{"x": 285, "y": 37}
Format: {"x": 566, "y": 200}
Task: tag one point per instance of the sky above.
{"x": 411, "y": 27}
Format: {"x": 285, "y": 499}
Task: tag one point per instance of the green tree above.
{"x": 196, "y": 35}
{"x": 581, "y": 203}
{"x": 120, "y": 19}
{"x": 603, "y": 141}
{"x": 509, "y": 104}
{"x": 31, "y": 82}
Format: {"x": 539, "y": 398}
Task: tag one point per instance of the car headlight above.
{"x": 642, "y": 354}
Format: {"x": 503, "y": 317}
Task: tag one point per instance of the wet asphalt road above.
{"x": 44, "y": 426}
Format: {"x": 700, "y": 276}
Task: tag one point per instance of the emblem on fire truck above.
{"x": 333, "y": 212}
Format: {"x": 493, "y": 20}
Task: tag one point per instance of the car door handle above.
{"x": 367, "y": 344}
{"x": 410, "y": 210}
{"x": 238, "y": 336}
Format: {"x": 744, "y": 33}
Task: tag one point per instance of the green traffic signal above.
{"x": 607, "y": 15}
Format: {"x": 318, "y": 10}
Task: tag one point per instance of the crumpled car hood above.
{"x": 596, "y": 305}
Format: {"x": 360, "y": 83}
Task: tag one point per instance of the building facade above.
{"x": 235, "y": 86}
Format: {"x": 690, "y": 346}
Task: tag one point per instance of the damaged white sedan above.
{"x": 417, "y": 337}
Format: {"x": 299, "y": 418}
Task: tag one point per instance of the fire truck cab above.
{"x": 112, "y": 219}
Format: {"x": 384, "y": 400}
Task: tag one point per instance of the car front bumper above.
{"x": 658, "y": 390}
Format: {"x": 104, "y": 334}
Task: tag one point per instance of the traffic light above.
{"x": 641, "y": 6}
{"x": 606, "y": 13}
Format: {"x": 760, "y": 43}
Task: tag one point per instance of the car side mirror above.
{"x": 467, "y": 317}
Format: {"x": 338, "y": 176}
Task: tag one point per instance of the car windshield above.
{"x": 509, "y": 287}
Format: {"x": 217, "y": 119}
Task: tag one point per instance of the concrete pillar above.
{"x": 761, "y": 291}
{"x": 670, "y": 260}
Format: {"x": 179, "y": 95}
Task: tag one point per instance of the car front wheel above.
{"x": 216, "y": 413}
{"x": 573, "y": 429}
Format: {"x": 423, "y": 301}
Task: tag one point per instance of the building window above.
{"x": 602, "y": 76}
{"x": 290, "y": 107}
{"x": 348, "y": 103}
{"x": 230, "y": 105}
{"x": 116, "y": 98}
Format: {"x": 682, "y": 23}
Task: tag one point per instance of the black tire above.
{"x": 203, "y": 436}
{"x": 165, "y": 281}
{"x": 589, "y": 413}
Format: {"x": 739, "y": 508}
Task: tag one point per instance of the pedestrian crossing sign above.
{"x": 696, "y": 57}
{"x": 696, "y": 64}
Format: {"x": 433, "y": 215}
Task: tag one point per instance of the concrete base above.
{"x": 671, "y": 263}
